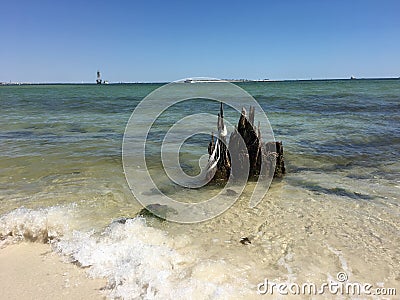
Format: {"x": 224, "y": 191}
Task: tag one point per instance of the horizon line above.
{"x": 194, "y": 78}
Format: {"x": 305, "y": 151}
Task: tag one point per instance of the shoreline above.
{"x": 337, "y": 210}
{"x": 34, "y": 270}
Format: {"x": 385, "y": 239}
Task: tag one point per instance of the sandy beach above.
{"x": 34, "y": 271}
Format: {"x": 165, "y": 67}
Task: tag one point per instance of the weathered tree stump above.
{"x": 246, "y": 151}
{"x": 219, "y": 155}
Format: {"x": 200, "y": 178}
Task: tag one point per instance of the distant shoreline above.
{"x": 196, "y": 81}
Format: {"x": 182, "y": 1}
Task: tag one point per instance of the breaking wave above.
{"x": 138, "y": 261}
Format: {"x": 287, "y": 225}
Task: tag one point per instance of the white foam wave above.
{"x": 139, "y": 262}
{"x": 145, "y": 263}
{"x": 41, "y": 225}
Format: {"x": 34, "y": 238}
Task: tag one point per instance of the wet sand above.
{"x": 34, "y": 271}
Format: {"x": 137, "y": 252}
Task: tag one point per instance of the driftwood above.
{"x": 246, "y": 151}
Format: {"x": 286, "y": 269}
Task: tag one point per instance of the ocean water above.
{"x": 336, "y": 210}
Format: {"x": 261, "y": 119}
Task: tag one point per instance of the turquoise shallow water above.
{"x": 337, "y": 208}
{"x": 49, "y": 130}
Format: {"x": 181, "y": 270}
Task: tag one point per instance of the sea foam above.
{"x": 41, "y": 225}
{"x": 138, "y": 261}
{"x": 146, "y": 263}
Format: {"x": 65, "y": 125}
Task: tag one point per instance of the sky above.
{"x": 160, "y": 41}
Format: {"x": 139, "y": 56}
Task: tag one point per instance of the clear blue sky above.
{"x": 67, "y": 41}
